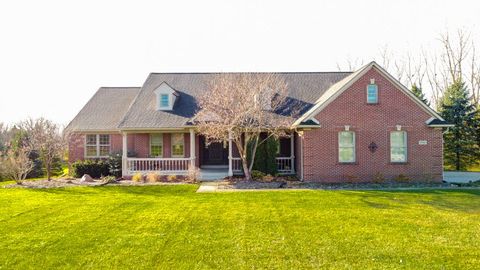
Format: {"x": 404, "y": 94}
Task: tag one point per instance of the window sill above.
{"x": 398, "y": 163}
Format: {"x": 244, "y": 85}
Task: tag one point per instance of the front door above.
{"x": 214, "y": 153}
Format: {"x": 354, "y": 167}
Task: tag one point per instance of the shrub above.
{"x": 265, "y": 155}
{"x": 268, "y": 178}
{"x": 378, "y": 178}
{"x": 171, "y": 178}
{"x": 109, "y": 179}
{"x": 402, "y": 178}
{"x": 115, "y": 164}
{"x": 193, "y": 174}
{"x": 94, "y": 168}
{"x": 153, "y": 177}
{"x": 138, "y": 177}
{"x": 257, "y": 175}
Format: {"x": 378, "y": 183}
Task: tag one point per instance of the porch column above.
{"x": 292, "y": 153}
{"x": 192, "y": 148}
{"x": 124, "y": 154}
{"x": 230, "y": 154}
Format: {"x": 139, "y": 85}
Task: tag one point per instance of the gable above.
{"x": 339, "y": 88}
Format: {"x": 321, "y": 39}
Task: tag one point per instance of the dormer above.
{"x": 165, "y": 97}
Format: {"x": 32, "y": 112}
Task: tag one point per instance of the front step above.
{"x": 212, "y": 174}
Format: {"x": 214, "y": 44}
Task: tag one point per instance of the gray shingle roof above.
{"x": 105, "y": 110}
{"x": 304, "y": 89}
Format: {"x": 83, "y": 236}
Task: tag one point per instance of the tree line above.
{"x": 31, "y": 148}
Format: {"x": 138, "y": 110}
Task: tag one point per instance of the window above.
{"x": 177, "y": 145}
{"x": 156, "y": 145}
{"x": 164, "y": 100}
{"x": 97, "y": 145}
{"x": 346, "y": 146}
{"x": 372, "y": 94}
{"x": 398, "y": 146}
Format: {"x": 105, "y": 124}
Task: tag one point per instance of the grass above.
{"x": 172, "y": 227}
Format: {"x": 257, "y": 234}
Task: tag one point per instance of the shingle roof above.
{"x": 105, "y": 110}
{"x": 304, "y": 89}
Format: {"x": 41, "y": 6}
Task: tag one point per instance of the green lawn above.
{"x": 172, "y": 227}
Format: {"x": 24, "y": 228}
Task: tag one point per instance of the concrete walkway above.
{"x": 461, "y": 177}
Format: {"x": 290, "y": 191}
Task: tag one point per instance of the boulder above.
{"x": 86, "y": 178}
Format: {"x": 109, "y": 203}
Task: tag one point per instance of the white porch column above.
{"x": 124, "y": 154}
{"x": 192, "y": 148}
{"x": 292, "y": 152}
{"x": 230, "y": 154}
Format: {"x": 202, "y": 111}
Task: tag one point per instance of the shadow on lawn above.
{"x": 466, "y": 200}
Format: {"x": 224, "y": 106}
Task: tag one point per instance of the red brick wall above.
{"x": 372, "y": 123}
{"x": 139, "y": 143}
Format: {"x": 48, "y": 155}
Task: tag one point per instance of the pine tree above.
{"x": 460, "y": 141}
{"x": 418, "y": 92}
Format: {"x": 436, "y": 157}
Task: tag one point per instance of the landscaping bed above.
{"x": 74, "y": 182}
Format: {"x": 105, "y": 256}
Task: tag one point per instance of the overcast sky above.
{"x": 54, "y": 55}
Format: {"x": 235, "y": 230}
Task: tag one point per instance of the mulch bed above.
{"x": 60, "y": 183}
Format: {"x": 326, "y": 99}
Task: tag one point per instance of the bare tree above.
{"x": 45, "y": 138}
{"x": 241, "y": 107}
{"x": 16, "y": 164}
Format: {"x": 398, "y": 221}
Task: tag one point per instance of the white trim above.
{"x": 192, "y": 148}
{"x": 335, "y": 90}
{"x": 405, "y": 140}
{"x": 150, "y": 145}
{"x": 354, "y": 147}
{"x": 171, "y": 146}
{"x": 97, "y": 145}
{"x": 376, "y": 93}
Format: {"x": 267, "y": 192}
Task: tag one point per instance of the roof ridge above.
{"x": 252, "y": 72}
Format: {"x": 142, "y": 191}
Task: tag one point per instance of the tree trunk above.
{"x": 47, "y": 167}
{"x": 254, "y": 151}
{"x": 246, "y": 171}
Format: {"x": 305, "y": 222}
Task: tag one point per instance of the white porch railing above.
{"x": 284, "y": 165}
{"x": 160, "y": 165}
{"x": 237, "y": 165}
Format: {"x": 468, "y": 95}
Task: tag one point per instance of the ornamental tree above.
{"x": 241, "y": 107}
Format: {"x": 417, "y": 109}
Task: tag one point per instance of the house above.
{"x": 353, "y": 125}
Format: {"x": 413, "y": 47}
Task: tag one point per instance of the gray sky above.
{"x": 54, "y": 55}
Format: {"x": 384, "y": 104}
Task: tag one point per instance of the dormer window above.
{"x": 372, "y": 93}
{"x": 164, "y": 100}
{"x": 165, "y": 97}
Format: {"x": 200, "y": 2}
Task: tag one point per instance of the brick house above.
{"x": 353, "y": 125}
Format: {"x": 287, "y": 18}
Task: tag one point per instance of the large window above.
{"x": 156, "y": 145}
{"x": 372, "y": 94}
{"x": 398, "y": 146}
{"x": 97, "y": 145}
{"x": 164, "y": 100}
{"x": 346, "y": 146}
{"x": 178, "y": 145}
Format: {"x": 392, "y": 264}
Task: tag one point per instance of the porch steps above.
{"x": 209, "y": 174}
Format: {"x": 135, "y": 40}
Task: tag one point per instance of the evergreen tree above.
{"x": 418, "y": 92}
{"x": 461, "y": 149}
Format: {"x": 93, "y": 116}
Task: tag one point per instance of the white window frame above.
{"x": 376, "y": 93}
{"x": 97, "y": 145}
{"x": 161, "y": 105}
{"x": 354, "y": 147}
{"x": 183, "y": 144}
{"x": 161, "y": 143}
{"x": 405, "y": 140}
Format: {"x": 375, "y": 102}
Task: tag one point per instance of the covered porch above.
{"x": 173, "y": 152}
